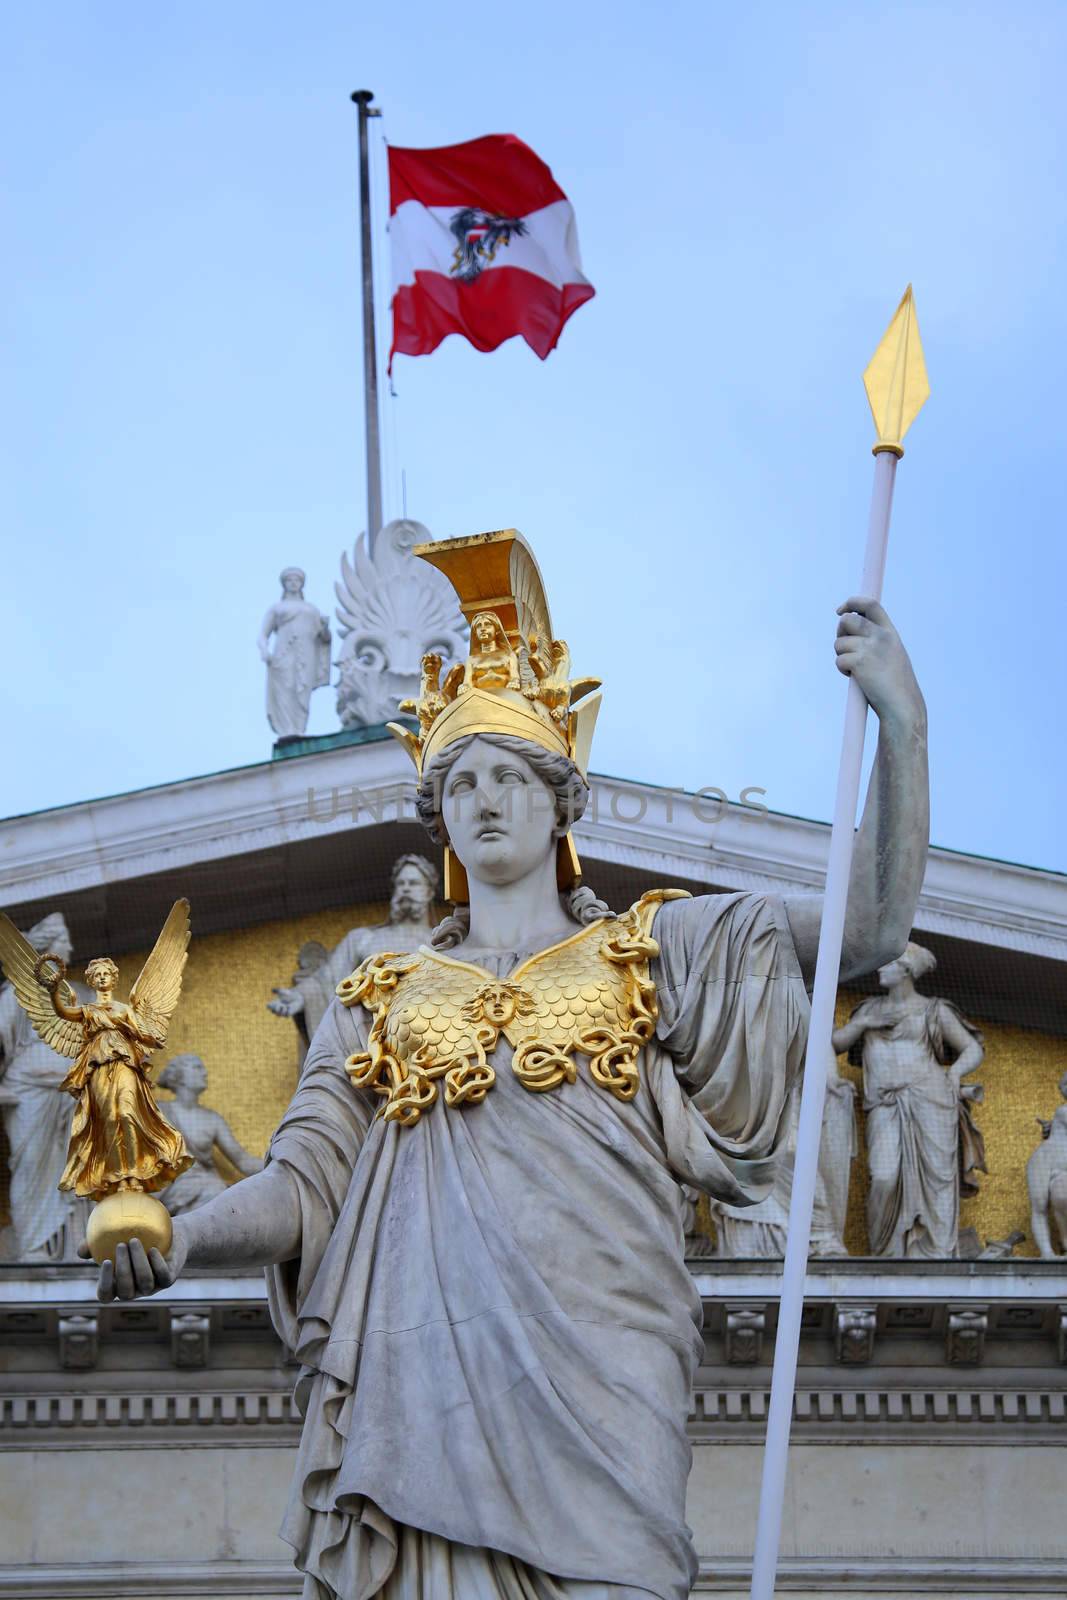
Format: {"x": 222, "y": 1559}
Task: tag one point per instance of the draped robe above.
{"x": 922, "y": 1144}
{"x": 37, "y": 1124}
{"x": 494, "y": 1323}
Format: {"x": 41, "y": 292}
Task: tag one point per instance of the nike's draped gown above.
{"x": 496, "y": 1329}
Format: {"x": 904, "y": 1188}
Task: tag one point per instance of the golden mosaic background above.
{"x": 251, "y": 1058}
{"x": 250, "y": 1054}
{"x": 1020, "y": 1074}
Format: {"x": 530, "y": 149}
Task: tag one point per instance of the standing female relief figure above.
{"x": 472, "y": 1213}
{"x": 922, "y": 1144}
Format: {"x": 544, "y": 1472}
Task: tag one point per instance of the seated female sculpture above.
{"x": 472, "y": 1212}
{"x": 204, "y": 1131}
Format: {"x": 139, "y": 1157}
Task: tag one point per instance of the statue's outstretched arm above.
{"x": 254, "y": 1224}
{"x": 290, "y": 1002}
{"x": 233, "y": 1149}
{"x": 889, "y": 856}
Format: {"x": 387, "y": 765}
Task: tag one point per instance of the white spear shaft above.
{"x": 897, "y": 395}
{"x": 816, "y": 1062}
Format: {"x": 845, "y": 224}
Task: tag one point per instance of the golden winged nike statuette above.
{"x": 121, "y": 1147}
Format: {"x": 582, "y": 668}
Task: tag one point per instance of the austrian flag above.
{"x": 484, "y": 245}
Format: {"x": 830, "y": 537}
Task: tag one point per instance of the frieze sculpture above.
{"x": 1046, "y": 1182}
{"x": 472, "y": 1216}
{"x": 309, "y": 958}
{"x": 204, "y": 1132}
{"x": 47, "y": 1223}
{"x": 299, "y": 662}
{"x": 759, "y": 1232}
{"x": 391, "y": 611}
{"x": 121, "y": 1149}
{"x": 413, "y": 888}
{"x": 923, "y": 1148}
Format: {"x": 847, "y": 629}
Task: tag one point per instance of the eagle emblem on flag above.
{"x": 479, "y": 236}
{"x": 484, "y": 245}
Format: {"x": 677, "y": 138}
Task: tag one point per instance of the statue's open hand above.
{"x": 137, "y": 1272}
{"x": 288, "y": 1004}
{"x": 870, "y": 650}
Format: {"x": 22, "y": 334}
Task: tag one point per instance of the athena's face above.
{"x": 500, "y": 817}
{"x": 893, "y": 973}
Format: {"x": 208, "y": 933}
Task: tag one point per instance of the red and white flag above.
{"x": 484, "y": 245}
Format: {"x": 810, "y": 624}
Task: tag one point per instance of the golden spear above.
{"x": 897, "y": 389}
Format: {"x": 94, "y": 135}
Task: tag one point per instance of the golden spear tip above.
{"x": 895, "y": 380}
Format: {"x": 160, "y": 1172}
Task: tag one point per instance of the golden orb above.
{"x": 125, "y": 1216}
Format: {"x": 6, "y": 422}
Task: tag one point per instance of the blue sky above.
{"x": 754, "y": 187}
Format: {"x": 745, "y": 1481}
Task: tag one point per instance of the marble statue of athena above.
{"x": 472, "y": 1212}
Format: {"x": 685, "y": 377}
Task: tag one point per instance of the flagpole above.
{"x": 362, "y": 98}
{"x": 896, "y": 388}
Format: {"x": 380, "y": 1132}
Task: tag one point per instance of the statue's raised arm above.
{"x": 889, "y": 856}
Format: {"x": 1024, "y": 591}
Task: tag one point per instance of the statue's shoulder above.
{"x": 625, "y": 942}
{"x": 642, "y": 914}
{"x": 376, "y": 978}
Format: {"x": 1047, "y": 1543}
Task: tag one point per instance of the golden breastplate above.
{"x": 438, "y": 1018}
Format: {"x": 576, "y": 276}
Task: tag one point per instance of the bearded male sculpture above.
{"x": 413, "y": 885}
